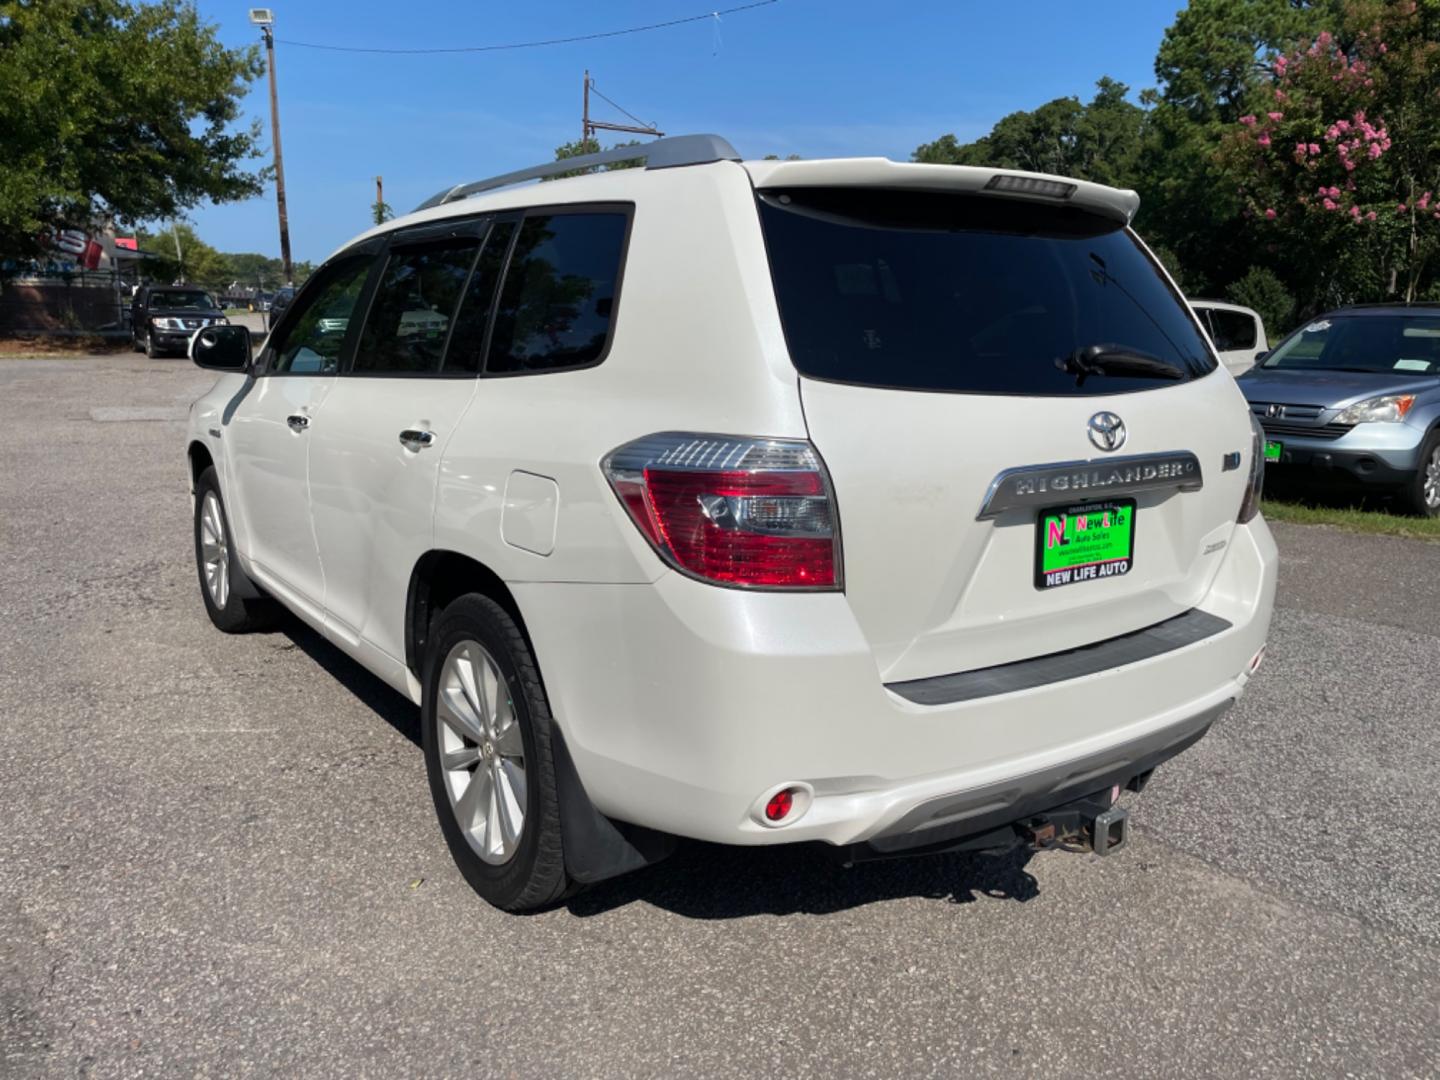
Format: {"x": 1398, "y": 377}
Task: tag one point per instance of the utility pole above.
{"x": 265, "y": 19}
{"x": 179, "y": 256}
{"x": 589, "y": 127}
{"x": 379, "y": 191}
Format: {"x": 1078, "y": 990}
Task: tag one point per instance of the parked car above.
{"x": 1351, "y": 400}
{"x": 1238, "y": 332}
{"x": 163, "y": 318}
{"x": 278, "y": 303}
{"x": 895, "y": 507}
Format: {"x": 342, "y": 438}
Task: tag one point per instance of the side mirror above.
{"x": 222, "y": 348}
{"x": 1261, "y": 355}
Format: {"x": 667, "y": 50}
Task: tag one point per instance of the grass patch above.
{"x": 1353, "y": 518}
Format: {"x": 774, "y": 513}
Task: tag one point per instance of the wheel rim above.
{"x": 1432, "y": 480}
{"x": 481, "y": 752}
{"x": 214, "y": 551}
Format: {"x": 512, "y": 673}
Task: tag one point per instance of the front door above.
{"x": 269, "y": 431}
{"x": 375, "y": 454}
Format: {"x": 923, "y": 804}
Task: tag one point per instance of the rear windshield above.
{"x": 924, "y": 291}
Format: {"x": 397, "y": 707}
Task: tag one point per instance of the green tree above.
{"x": 1211, "y": 65}
{"x": 196, "y": 263}
{"x": 1339, "y": 166}
{"x": 116, "y": 108}
{"x": 1099, "y": 141}
{"x": 1262, "y": 291}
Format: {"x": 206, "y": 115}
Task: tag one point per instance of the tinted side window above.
{"x": 467, "y": 340}
{"x": 1232, "y": 329}
{"x": 414, "y": 304}
{"x": 310, "y": 341}
{"x": 557, "y": 304}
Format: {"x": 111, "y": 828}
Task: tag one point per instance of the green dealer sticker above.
{"x": 1086, "y": 542}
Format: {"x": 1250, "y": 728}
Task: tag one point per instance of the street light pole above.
{"x": 265, "y": 19}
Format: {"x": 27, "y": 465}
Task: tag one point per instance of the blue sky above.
{"x": 812, "y": 77}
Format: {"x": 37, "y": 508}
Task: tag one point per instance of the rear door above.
{"x": 375, "y": 453}
{"x": 942, "y": 342}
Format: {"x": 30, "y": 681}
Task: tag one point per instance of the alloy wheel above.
{"x": 1431, "y": 489}
{"x": 482, "y": 753}
{"x": 214, "y": 551}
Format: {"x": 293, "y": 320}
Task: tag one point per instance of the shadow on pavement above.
{"x": 392, "y": 707}
{"x": 712, "y": 881}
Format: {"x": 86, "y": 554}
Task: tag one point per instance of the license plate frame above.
{"x": 1096, "y": 557}
{"x": 1274, "y": 451}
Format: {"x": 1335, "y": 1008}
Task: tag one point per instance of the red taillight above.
{"x": 747, "y": 512}
{"x": 778, "y": 808}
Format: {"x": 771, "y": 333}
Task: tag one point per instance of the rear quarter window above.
{"x": 965, "y": 294}
{"x": 556, "y": 308}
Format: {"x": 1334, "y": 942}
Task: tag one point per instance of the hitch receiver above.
{"x": 1110, "y": 831}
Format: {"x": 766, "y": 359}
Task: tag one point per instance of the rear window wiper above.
{"x": 1116, "y": 360}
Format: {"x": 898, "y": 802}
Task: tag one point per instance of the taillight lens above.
{"x": 755, "y": 513}
{"x": 1250, "y": 504}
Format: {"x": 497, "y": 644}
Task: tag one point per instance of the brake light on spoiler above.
{"x": 737, "y": 511}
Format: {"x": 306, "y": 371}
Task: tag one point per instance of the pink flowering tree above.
{"x": 1339, "y": 167}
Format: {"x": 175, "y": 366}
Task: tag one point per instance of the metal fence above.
{"x": 88, "y": 302}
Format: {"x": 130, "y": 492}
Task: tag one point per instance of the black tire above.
{"x": 534, "y": 876}
{"x": 1414, "y": 494}
{"x": 136, "y": 344}
{"x": 239, "y": 614}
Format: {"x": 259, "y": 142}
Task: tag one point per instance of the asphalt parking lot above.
{"x": 218, "y": 856}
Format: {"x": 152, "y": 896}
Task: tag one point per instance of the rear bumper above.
{"x": 685, "y": 706}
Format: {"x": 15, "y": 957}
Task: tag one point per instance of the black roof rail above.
{"x": 666, "y": 153}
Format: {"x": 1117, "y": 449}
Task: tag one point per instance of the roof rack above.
{"x": 664, "y": 153}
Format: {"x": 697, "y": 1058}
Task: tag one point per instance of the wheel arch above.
{"x": 595, "y": 846}
{"x": 438, "y": 577}
{"x": 200, "y": 460}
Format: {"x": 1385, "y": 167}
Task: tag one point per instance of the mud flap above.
{"x": 596, "y": 847}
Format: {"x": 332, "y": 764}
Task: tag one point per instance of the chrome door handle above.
{"x": 413, "y": 439}
{"x": 298, "y": 421}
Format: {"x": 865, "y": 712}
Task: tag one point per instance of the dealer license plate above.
{"x": 1084, "y": 542}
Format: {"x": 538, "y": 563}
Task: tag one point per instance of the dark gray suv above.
{"x": 1352, "y": 399}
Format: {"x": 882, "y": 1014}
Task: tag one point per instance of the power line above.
{"x": 536, "y": 44}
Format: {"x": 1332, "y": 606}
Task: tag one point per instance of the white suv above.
{"x": 899, "y": 508}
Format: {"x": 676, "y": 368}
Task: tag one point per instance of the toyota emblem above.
{"x": 1106, "y": 431}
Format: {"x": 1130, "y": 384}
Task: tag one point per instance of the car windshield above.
{"x": 174, "y": 300}
{"x": 1379, "y": 343}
